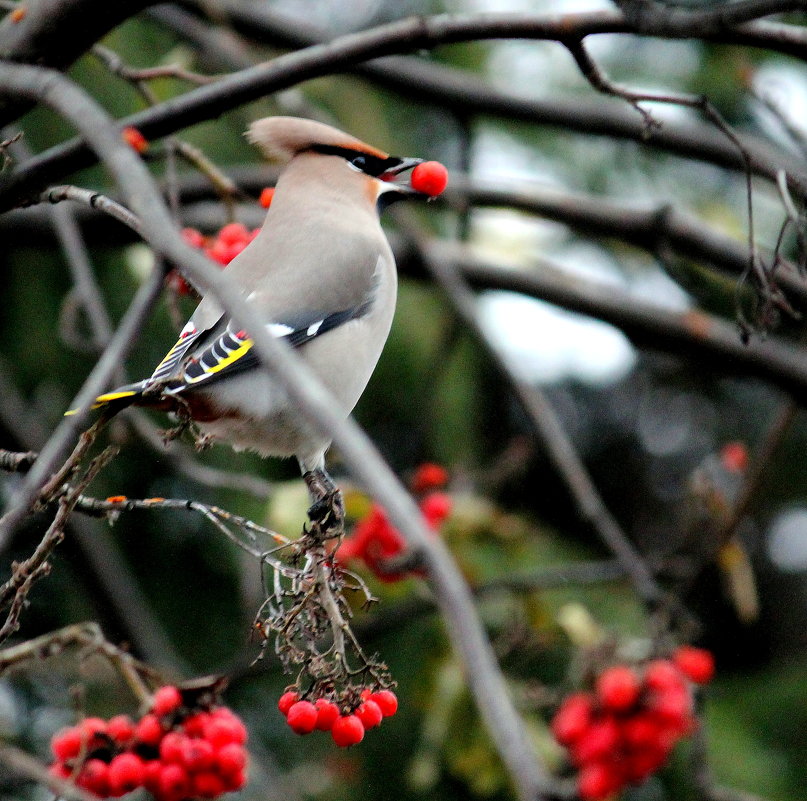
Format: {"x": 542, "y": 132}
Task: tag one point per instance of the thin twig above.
{"x": 88, "y": 636}
{"x": 597, "y": 78}
{"x": 115, "y": 64}
{"x": 22, "y": 764}
{"x": 185, "y": 463}
{"x": 95, "y": 200}
{"x": 24, "y": 574}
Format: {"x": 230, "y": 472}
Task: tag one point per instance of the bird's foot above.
{"x": 327, "y": 512}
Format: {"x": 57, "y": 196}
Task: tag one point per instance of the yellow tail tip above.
{"x": 102, "y": 400}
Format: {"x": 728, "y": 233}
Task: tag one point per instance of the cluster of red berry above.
{"x": 375, "y": 540}
{"x": 625, "y": 729}
{"x": 221, "y": 248}
{"x": 173, "y": 751}
{"x": 322, "y": 714}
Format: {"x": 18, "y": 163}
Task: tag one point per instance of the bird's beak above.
{"x": 404, "y": 188}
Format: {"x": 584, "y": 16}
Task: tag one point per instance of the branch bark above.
{"x": 54, "y": 33}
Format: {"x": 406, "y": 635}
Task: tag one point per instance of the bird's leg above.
{"x": 328, "y": 509}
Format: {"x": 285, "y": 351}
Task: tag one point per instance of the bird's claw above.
{"x": 327, "y": 514}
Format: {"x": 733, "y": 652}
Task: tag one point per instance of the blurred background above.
{"x": 651, "y": 425}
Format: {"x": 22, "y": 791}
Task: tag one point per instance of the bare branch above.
{"x": 340, "y": 55}
{"x": 16, "y": 462}
{"x": 690, "y": 334}
{"x": 549, "y": 428}
{"x": 55, "y": 33}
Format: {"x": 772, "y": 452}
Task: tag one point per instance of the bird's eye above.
{"x": 360, "y": 162}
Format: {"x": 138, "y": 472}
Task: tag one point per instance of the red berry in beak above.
{"x": 430, "y": 177}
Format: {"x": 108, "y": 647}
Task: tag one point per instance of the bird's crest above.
{"x": 280, "y": 139}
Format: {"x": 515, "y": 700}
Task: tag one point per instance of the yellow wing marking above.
{"x": 234, "y": 356}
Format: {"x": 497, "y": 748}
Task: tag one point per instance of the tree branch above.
{"x": 341, "y": 54}
{"x": 691, "y": 334}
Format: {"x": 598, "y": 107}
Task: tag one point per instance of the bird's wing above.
{"x": 231, "y": 352}
{"x": 189, "y": 336}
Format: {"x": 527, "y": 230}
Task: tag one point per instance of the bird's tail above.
{"x": 118, "y": 399}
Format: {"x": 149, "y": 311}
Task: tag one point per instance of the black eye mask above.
{"x": 367, "y": 163}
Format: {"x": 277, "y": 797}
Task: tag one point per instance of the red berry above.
{"x": 235, "y": 249}
{"x": 92, "y": 727}
{"x": 696, "y": 664}
{"x": 173, "y": 783}
{"x": 597, "y": 742}
{"x": 194, "y": 725}
{"x": 176, "y": 283}
{"x": 166, "y": 700}
{"x": 151, "y": 775}
{"x": 673, "y": 708}
{"x": 369, "y": 713}
{"x": 220, "y": 731}
{"x": 573, "y": 718}
{"x": 734, "y": 457}
{"x": 618, "y": 688}
{"x": 172, "y": 747}
{"x": 66, "y": 743}
{"x": 663, "y": 675}
{"x": 148, "y": 730}
{"x": 193, "y": 237}
{"x": 597, "y": 780}
{"x": 232, "y": 233}
{"x": 266, "y": 197}
{"x": 135, "y": 139}
{"x": 120, "y": 728}
{"x": 436, "y": 507}
{"x": 347, "y": 730}
{"x": 93, "y": 733}
{"x": 207, "y": 784}
{"x": 286, "y": 700}
{"x": 230, "y": 759}
{"x": 198, "y": 755}
{"x": 387, "y": 702}
{"x": 60, "y": 770}
{"x": 327, "y": 713}
{"x": 429, "y": 476}
{"x": 430, "y": 177}
{"x": 234, "y": 781}
{"x": 125, "y": 773}
{"x": 219, "y": 251}
{"x": 94, "y": 777}
{"x": 641, "y": 730}
{"x": 639, "y": 765}
{"x": 302, "y": 717}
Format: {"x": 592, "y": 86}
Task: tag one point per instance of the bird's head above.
{"x": 281, "y": 139}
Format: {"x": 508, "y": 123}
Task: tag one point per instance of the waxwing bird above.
{"x": 322, "y": 275}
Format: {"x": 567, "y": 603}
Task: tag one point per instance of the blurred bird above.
{"x": 322, "y": 275}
